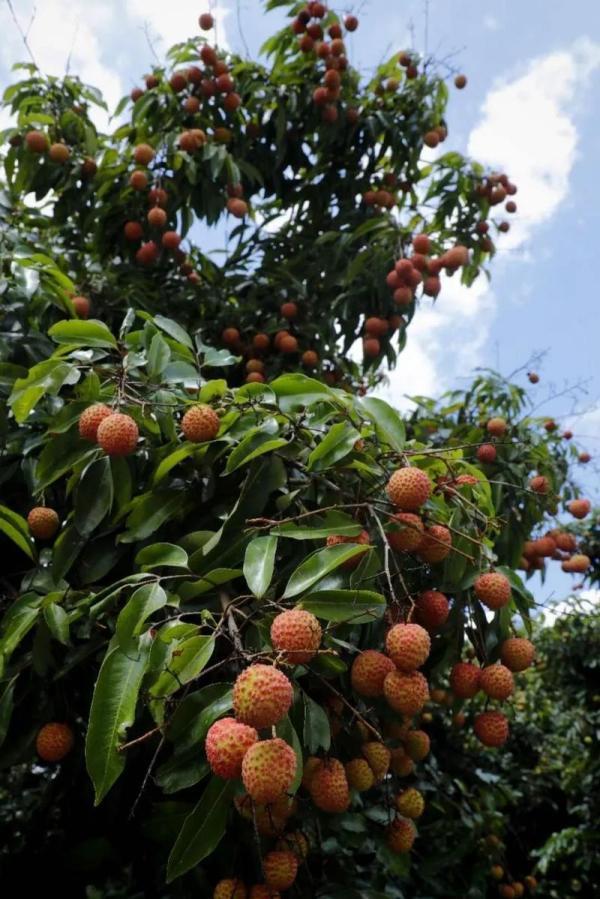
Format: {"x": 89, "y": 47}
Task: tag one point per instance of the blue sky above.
{"x": 531, "y": 108}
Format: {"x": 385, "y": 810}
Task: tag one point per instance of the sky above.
{"x": 530, "y": 109}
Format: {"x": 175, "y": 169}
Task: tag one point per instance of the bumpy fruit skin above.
{"x": 227, "y": 741}
{"x": 410, "y": 803}
{"x": 360, "y": 775}
{"x": 230, "y": 889}
{"x": 401, "y": 764}
{"x": 118, "y": 434}
{"x": 268, "y": 769}
{"x": 378, "y": 756}
{"x": 262, "y": 696}
{"x": 465, "y": 680}
{"x": 54, "y": 741}
{"x": 406, "y": 693}
{"x": 492, "y": 589}
{"x": 417, "y": 745}
{"x": 368, "y": 672}
{"x": 487, "y": 453}
{"x": 280, "y": 868}
{"x": 496, "y": 427}
{"x": 200, "y": 423}
{"x": 43, "y": 522}
{"x": 517, "y": 653}
{"x": 311, "y": 765}
{"x": 295, "y": 842}
{"x": 408, "y": 489}
{"x": 435, "y": 545}
{"x": 90, "y": 419}
{"x": 497, "y": 682}
{"x": 408, "y": 646}
{"x": 491, "y": 728}
{"x": 401, "y": 835}
{"x": 432, "y": 609}
{"x": 329, "y": 787}
{"x": 297, "y": 634}
{"x": 262, "y": 891}
{"x": 579, "y": 508}
{"x": 409, "y": 535}
{"x": 362, "y": 539}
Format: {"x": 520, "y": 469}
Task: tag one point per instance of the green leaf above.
{"x": 158, "y": 356}
{"x": 94, "y": 496}
{"x": 259, "y": 564}
{"x": 216, "y": 577}
{"x": 112, "y": 712}
{"x": 203, "y": 829}
{"x": 357, "y": 606}
{"x": 332, "y": 523}
{"x": 338, "y": 443}
{"x": 159, "y": 554}
{"x": 144, "y": 602}
{"x": 45, "y": 377}
{"x": 6, "y": 708}
{"x": 152, "y": 510}
{"x": 66, "y": 549}
{"x": 60, "y": 455}
{"x": 58, "y": 622}
{"x": 82, "y": 333}
{"x": 18, "y": 621}
{"x": 320, "y": 563}
{"x": 317, "y": 733}
{"x": 254, "y": 444}
{"x": 188, "y": 660}
{"x": 17, "y": 530}
{"x": 295, "y": 391}
{"x": 173, "y": 459}
{"x": 388, "y": 424}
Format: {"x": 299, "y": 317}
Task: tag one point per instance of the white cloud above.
{"x": 491, "y": 23}
{"x": 175, "y": 22}
{"x": 527, "y": 130}
{"x": 584, "y": 602}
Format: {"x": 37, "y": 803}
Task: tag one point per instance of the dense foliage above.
{"x": 159, "y": 520}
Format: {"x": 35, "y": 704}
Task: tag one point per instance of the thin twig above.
{"x": 21, "y": 32}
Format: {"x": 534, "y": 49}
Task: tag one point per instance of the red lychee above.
{"x": 486, "y": 453}
{"x": 117, "y": 434}
{"x": 226, "y": 743}
{"x": 200, "y": 423}
{"x": 268, "y": 769}
{"x": 54, "y": 741}
{"x": 410, "y": 803}
{"x": 497, "y": 427}
{"x": 491, "y": 728}
{"x": 143, "y": 154}
{"x": 517, "y": 653}
{"x": 280, "y": 868}
{"x": 297, "y": 634}
{"x": 465, "y": 680}
{"x": 408, "y": 646}
{"x": 230, "y": 888}
{"x": 401, "y": 835}
{"x": 408, "y": 488}
{"x": 406, "y": 693}
{"x": 262, "y": 696}
{"x": 329, "y": 787}
{"x": 435, "y": 545}
{"x": 432, "y": 609}
{"x": 82, "y": 306}
{"x": 417, "y": 745}
{"x": 579, "y": 508}
{"x": 540, "y": 484}
{"x": 492, "y": 589}
{"x": 90, "y": 419}
{"x": 378, "y": 756}
{"x": 368, "y": 672}
{"x": 497, "y": 682}
{"x": 360, "y": 775}
{"x": 409, "y": 532}
{"x": 43, "y": 522}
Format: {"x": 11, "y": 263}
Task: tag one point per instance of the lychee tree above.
{"x": 224, "y": 602}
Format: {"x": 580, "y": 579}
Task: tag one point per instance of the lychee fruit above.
{"x": 431, "y": 609}
{"x": 36, "y": 141}
{"x": 143, "y": 154}
{"x": 362, "y": 539}
{"x": 486, "y": 453}
{"x": 200, "y": 423}
{"x": 435, "y": 545}
{"x": 90, "y": 419}
{"x": 54, "y": 741}
{"x": 497, "y": 427}
{"x": 577, "y": 564}
{"x": 408, "y": 646}
{"x": 280, "y": 867}
{"x": 584, "y": 458}
{"x": 460, "y": 81}
{"x": 492, "y": 589}
{"x": 565, "y": 541}
{"x": 406, "y": 693}
{"x": 491, "y": 728}
{"x": 117, "y": 434}
{"x": 579, "y": 508}
{"x": 408, "y": 488}
{"x": 82, "y": 306}
{"x": 297, "y": 634}
{"x": 465, "y": 680}
{"x": 329, "y": 787}
{"x": 360, "y": 775}
{"x": 268, "y": 769}
{"x": 410, "y": 803}
{"x": 378, "y": 756}
{"x": 540, "y": 484}
{"x": 230, "y": 888}
{"x": 421, "y": 244}
{"x": 43, "y": 522}
{"x": 311, "y": 764}
{"x": 59, "y": 153}
{"x": 206, "y": 21}
{"x": 270, "y": 819}
{"x": 133, "y": 231}
{"x": 310, "y": 359}
{"x": 408, "y": 534}
{"x": 295, "y": 842}
{"x": 262, "y": 696}
{"x": 368, "y": 672}
{"x": 417, "y": 745}
{"x": 226, "y": 743}
{"x": 401, "y": 763}
{"x": 401, "y": 835}
{"x": 497, "y": 682}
